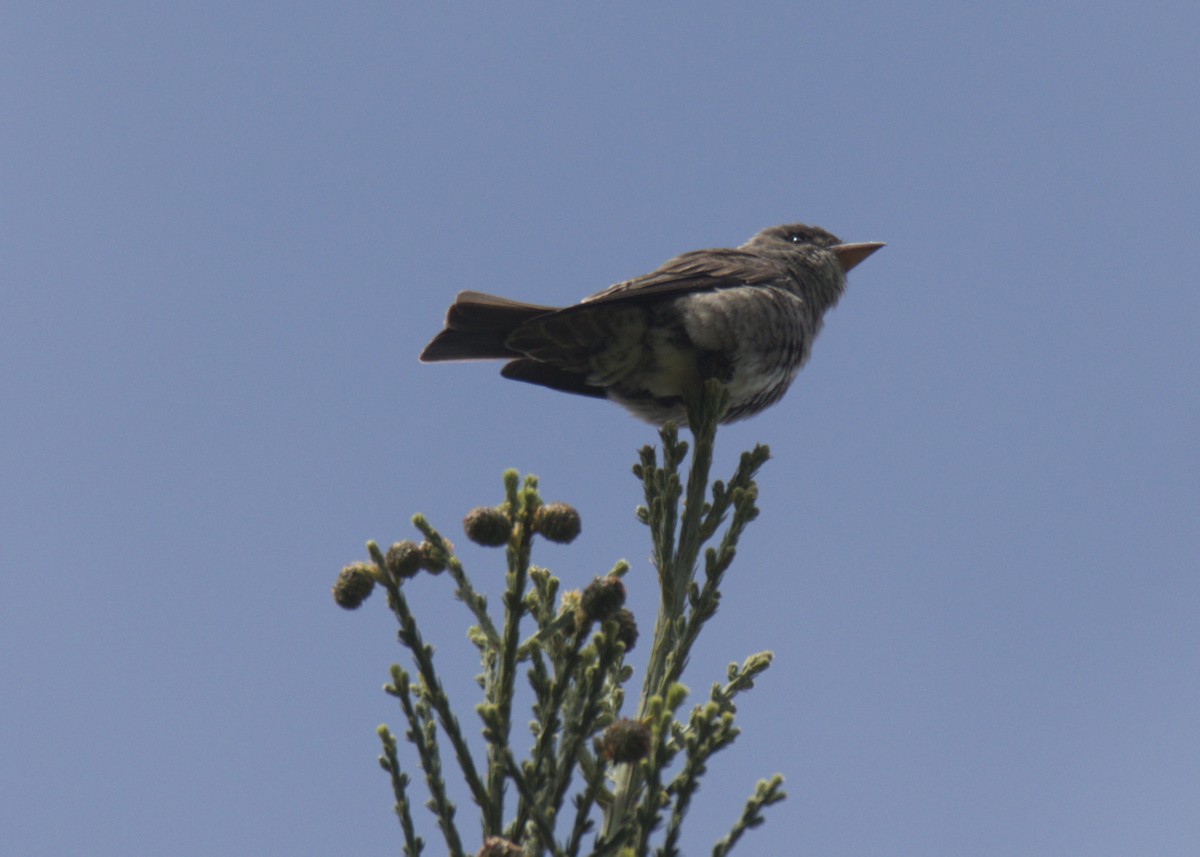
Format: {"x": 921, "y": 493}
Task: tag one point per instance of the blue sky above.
{"x": 228, "y": 229}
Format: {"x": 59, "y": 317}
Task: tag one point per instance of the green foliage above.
{"x": 589, "y": 763}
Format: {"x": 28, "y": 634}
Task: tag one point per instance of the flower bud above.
{"x": 626, "y": 741}
{"x": 403, "y": 559}
{"x": 496, "y": 846}
{"x": 557, "y": 522}
{"x": 569, "y": 603}
{"x": 487, "y": 526}
{"x": 354, "y": 583}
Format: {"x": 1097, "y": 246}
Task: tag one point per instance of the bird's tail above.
{"x": 477, "y": 326}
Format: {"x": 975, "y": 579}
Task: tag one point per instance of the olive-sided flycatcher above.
{"x": 745, "y": 316}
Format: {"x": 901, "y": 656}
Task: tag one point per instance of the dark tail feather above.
{"x": 477, "y": 326}
{"x": 547, "y": 375}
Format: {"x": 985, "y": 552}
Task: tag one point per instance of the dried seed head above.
{"x": 403, "y": 559}
{"x": 627, "y": 630}
{"x": 487, "y": 526}
{"x": 626, "y": 741}
{"x": 354, "y": 583}
{"x": 557, "y": 522}
{"x": 433, "y": 559}
{"x": 602, "y": 598}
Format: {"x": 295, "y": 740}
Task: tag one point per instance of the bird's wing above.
{"x": 697, "y": 271}
{"x": 607, "y": 335}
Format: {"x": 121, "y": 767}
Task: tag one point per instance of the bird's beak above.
{"x": 850, "y": 255}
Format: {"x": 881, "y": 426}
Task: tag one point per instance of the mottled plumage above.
{"x": 746, "y": 316}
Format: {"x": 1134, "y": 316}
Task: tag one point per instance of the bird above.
{"x": 745, "y": 316}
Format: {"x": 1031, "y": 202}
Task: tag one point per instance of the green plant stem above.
{"x": 543, "y": 752}
{"x": 464, "y": 591}
{"x": 413, "y": 844}
{"x": 543, "y": 824}
{"x": 421, "y": 733}
{"x": 766, "y": 793}
{"x": 593, "y": 772}
{"x": 677, "y": 566}
{"x": 522, "y": 506}
{"x": 410, "y": 636}
{"x": 581, "y": 726}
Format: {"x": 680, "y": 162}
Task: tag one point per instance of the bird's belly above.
{"x": 757, "y": 336}
{"x": 754, "y": 340}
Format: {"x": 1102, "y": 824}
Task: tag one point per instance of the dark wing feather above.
{"x": 697, "y": 271}
{"x": 605, "y": 336}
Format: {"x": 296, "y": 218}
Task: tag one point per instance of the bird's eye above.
{"x": 796, "y": 238}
